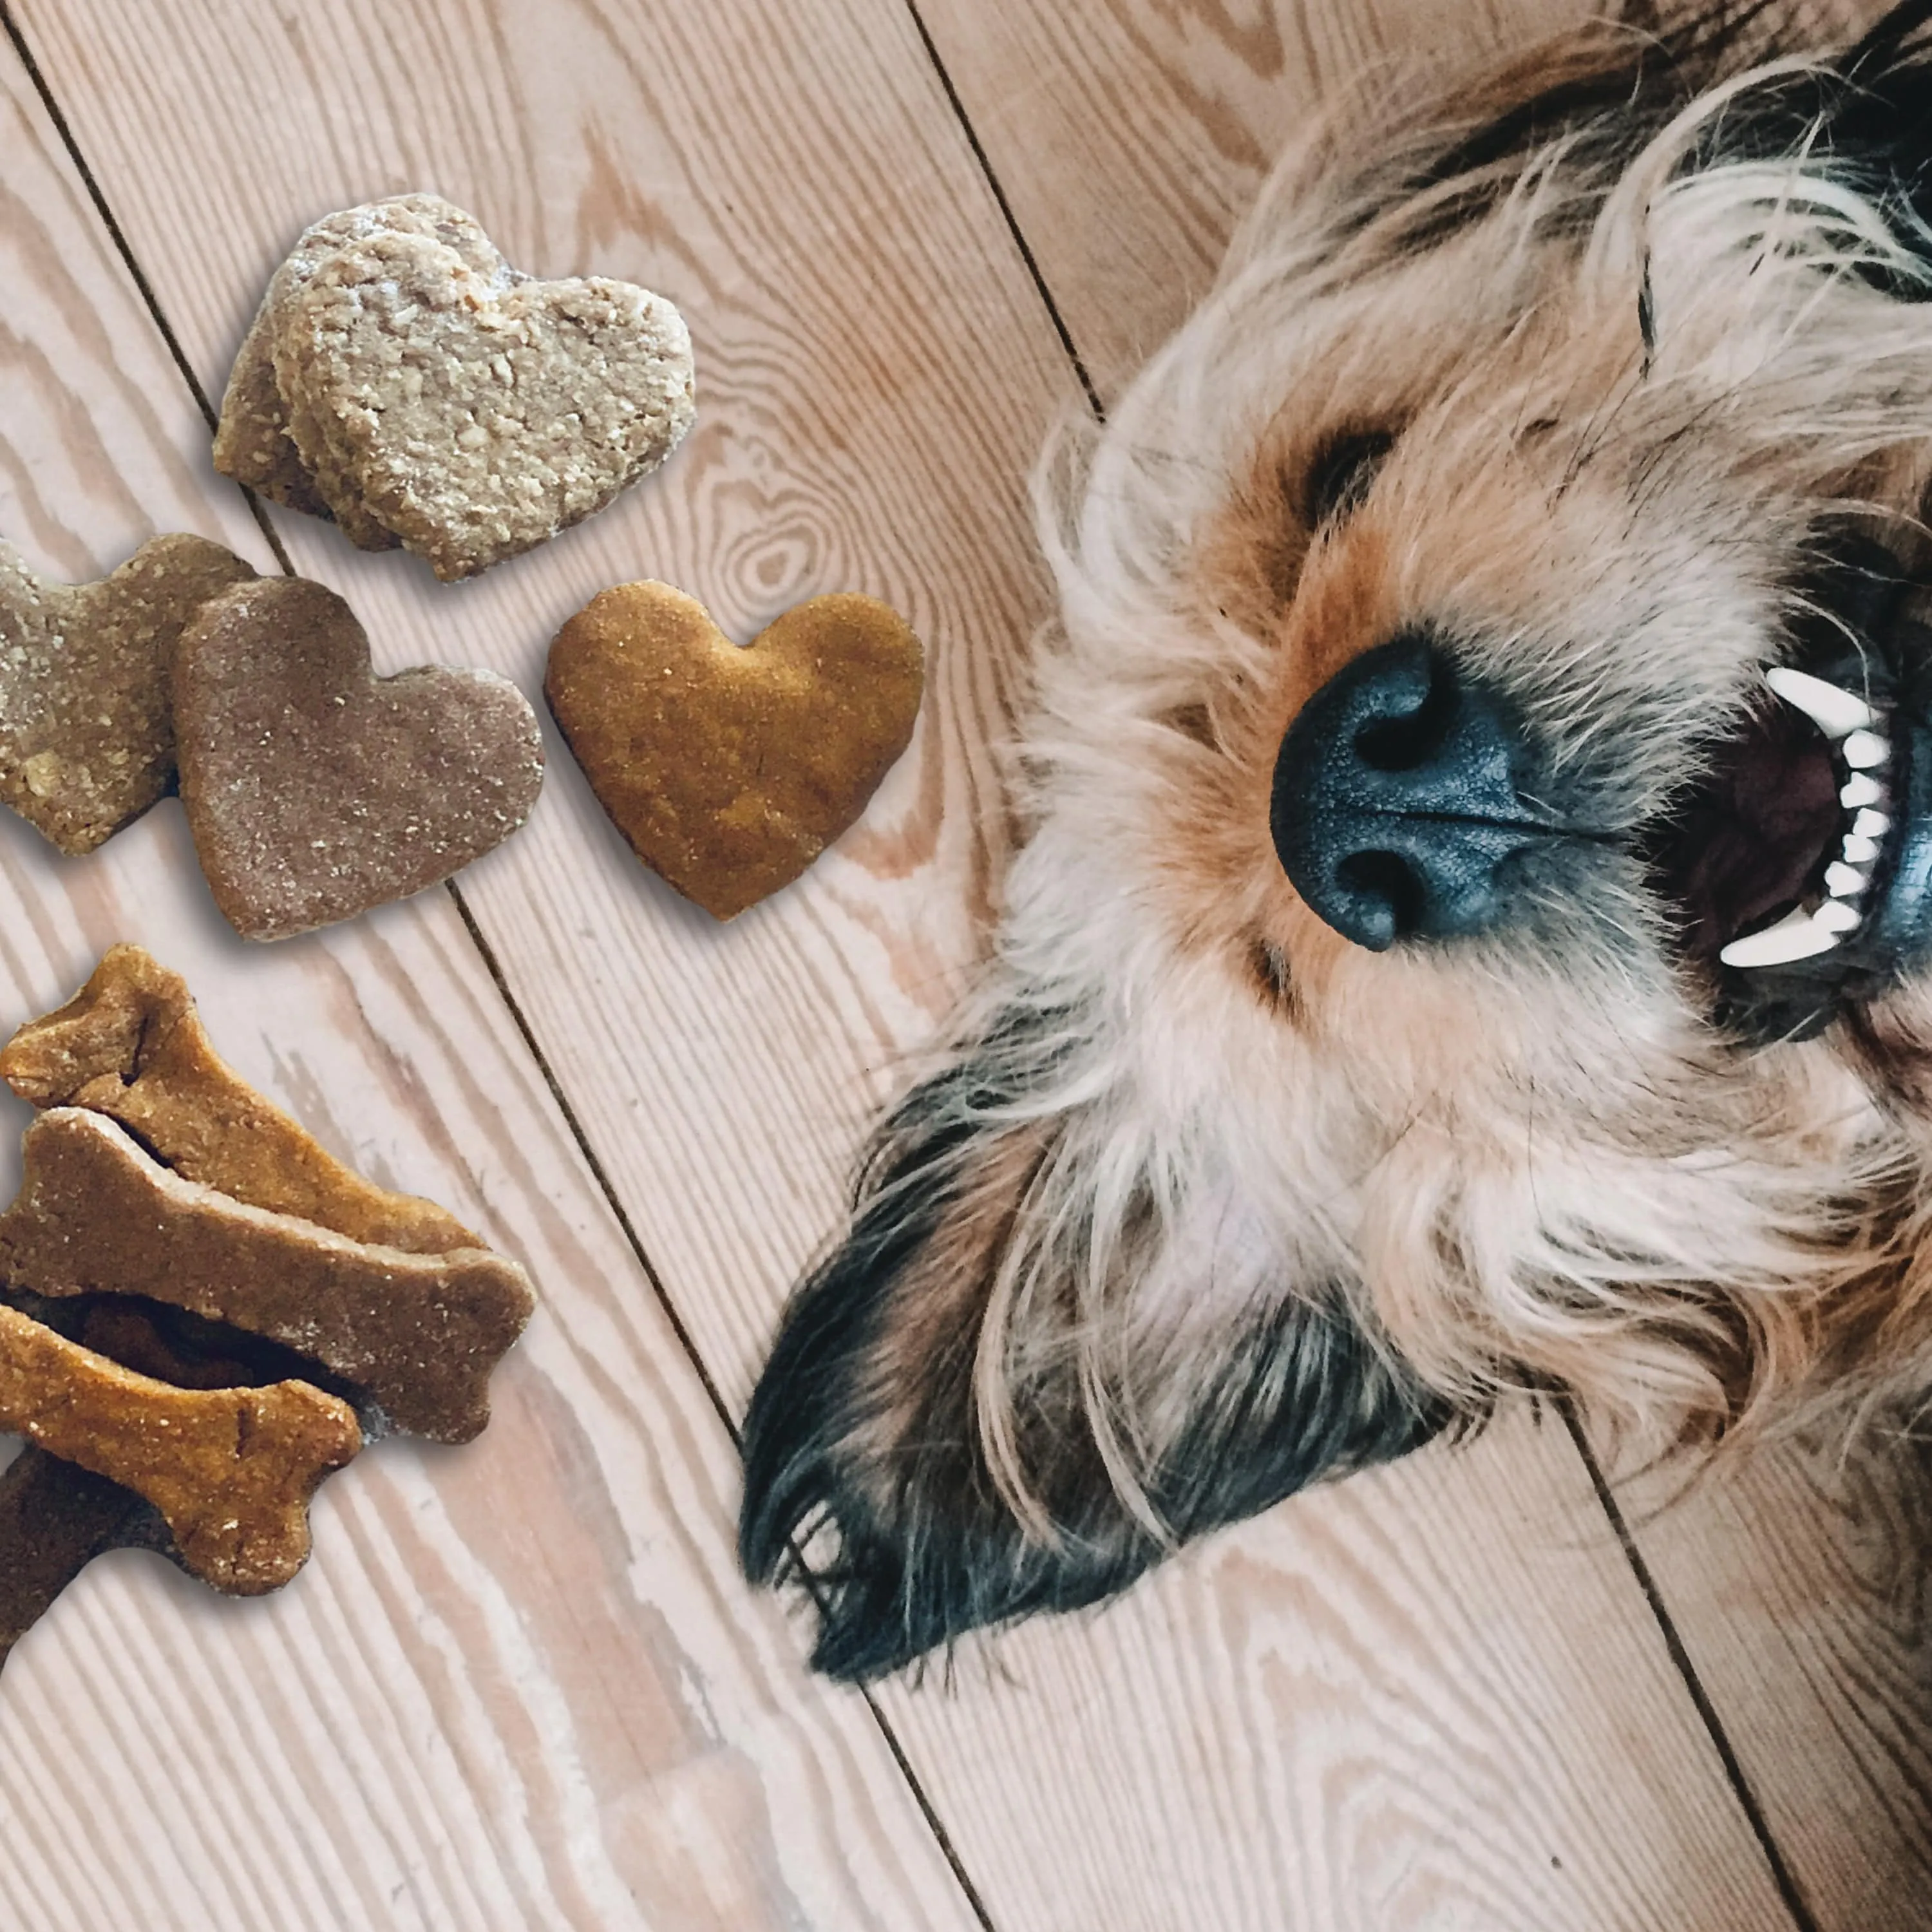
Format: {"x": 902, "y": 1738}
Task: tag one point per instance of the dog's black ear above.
{"x": 875, "y": 1473}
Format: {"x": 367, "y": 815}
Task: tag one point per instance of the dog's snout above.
{"x": 1396, "y": 807}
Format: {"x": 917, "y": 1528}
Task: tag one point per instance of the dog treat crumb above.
{"x": 315, "y": 790}
{"x": 729, "y": 770}
{"x": 231, "y": 1470}
{"x": 86, "y": 739}
{"x": 401, "y": 377}
{"x": 420, "y": 1333}
{"x": 129, "y": 1045}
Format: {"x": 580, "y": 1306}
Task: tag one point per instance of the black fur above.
{"x": 927, "y": 1548}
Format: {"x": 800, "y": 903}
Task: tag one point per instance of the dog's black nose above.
{"x": 1396, "y": 809}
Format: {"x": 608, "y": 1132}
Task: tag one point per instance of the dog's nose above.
{"x": 1396, "y": 810}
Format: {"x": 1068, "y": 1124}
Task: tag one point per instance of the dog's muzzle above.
{"x": 1396, "y": 808}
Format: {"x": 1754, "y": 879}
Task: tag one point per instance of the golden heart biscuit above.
{"x": 730, "y": 770}
{"x": 254, "y": 443}
{"x": 476, "y": 419}
{"x": 87, "y": 742}
{"x": 315, "y": 790}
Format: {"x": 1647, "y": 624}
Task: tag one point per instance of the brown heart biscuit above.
{"x": 230, "y": 1470}
{"x": 729, "y": 770}
{"x": 252, "y": 443}
{"x": 129, "y": 1045}
{"x": 87, "y": 740}
{"x": 315, "y": 790}
{"x": 475, "y": 420}
{"x": 419, "y": 1333}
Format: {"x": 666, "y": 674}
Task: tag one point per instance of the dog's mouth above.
{"x": 1800, "y": 865}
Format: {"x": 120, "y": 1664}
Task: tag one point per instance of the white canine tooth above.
{"x": 1870, "y": 824}
{"x": 1859, "y": 790}
{"x": 1833, "y": 709}
{"x": 1835, "y": 916}
{"x": 1798, "y": 935}
{"x": 1843, "y": 881}
{"x": 1857, "y": 851}
{"x": 1865, "y": 751}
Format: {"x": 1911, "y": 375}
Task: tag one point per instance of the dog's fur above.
{"x": 1593, "y": 366}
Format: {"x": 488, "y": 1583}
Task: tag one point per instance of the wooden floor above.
{"x": 520, "y": 1685}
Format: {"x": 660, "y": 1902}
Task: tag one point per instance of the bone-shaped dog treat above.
{"x": 420, "y": 1333}
{"x": 131, "y": 1045}
{"x": 231, "y": 1470}
{"x": 55, "y": 1517}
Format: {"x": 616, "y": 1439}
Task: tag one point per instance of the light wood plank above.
{"x": 1798, "y": 1581}
{"x": 1130, "y": 135}
{"x": 874, "y": 372}
{"x": 518, "y": 1685}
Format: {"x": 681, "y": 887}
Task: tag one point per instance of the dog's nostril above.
{"x": 1389, "y": 897}
{"x": 1405, "y": 742}
{"x": 1395, "y": 809}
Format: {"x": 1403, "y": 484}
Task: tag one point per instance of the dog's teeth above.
{"x": 1870, "y": 824}
{"x": 1798, "y": 935}
{"x": 1865, "y": 751}
{"x": 1843, "y": 881}
{"x": 1858, "y": 790}
{"x": 1857, "y": 851}
{"x": 1835, "y": 711}
{"x": 1835, "y": 916}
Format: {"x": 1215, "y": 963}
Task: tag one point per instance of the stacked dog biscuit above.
{"x": 201, "y": 1309}
{"x": 401, "y": 378}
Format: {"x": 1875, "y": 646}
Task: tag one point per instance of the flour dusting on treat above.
{"x": 254, "y": 443}
{"x": 315, "y": 790}
{"x": 476, "y": 420}
{"x": 87, "y": 742}
{"x": 420, "y": 1333}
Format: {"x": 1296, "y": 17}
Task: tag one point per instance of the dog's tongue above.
{"x": 1756, "y": 832}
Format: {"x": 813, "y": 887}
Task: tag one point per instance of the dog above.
{"x": 1472, "y": 931}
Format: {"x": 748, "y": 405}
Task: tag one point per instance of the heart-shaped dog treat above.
{"x": 476, "y": 418}
{"x": 314, "y": 789}
{"x": 253, "y": 443}
{"x": 730, "y": 770}
{"x": 86, "y": 742}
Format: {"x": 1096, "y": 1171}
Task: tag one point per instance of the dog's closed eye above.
{"x": 1343, "y": 471}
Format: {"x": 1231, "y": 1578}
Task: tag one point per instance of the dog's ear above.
{"x": 1035, "y": 1364}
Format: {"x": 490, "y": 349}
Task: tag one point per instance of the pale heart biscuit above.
{"x": 730, "y": 770}
{"x": 86, "y": 739}
{"x": 315, "y": 790}
{"x": 252, "y": 443}
{"x": 474, "y": 420}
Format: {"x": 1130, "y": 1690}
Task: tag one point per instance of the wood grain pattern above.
{"x": 1143, "y": 128}
{"x": 1393, "y": 1706}
{"x": 518, "y": 1685}
{"x": 1799, "y": 1583}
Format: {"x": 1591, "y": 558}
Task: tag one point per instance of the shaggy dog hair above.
{"x": 1362, "y": 1037}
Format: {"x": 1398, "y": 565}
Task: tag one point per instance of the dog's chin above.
{"x": 1800, "y": 865}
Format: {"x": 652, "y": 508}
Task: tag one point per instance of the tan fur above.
{"x": 1528, "y": 1177}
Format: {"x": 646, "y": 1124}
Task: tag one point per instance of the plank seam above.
{"x": 130, "y": 262}
{"x": 1005, "y": 208}
{"x": 1781, "y": 1874}
{"x": 975, "y": 1904}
